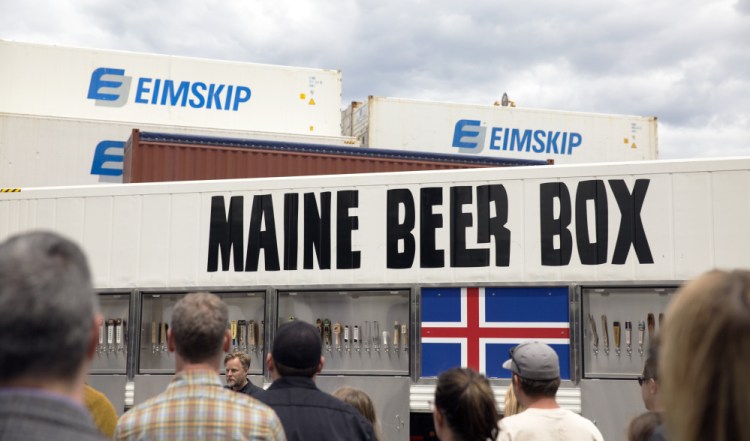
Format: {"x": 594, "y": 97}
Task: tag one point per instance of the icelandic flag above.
{"x": 476, "y": 327}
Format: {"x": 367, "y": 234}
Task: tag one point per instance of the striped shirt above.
{"x": 195, "y": 406}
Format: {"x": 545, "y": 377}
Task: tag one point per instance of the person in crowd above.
{"x": 648, "y": 381}
{"x": 101, "y": 409}
{"x": 359, "y": 399}
{"x": 306, "y": 412}
{"x": 536, "y": 377}
{"x": 512, "y": 406}
{"x": 704, "y": 358}
{"x": 195, "y": 405}
{"x": 643, "y": 427}
{"x": 49, "y": 316}
{"x": 464, "y": 407}
{"x": 236, "y": 365}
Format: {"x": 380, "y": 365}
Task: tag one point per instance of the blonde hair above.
{"x": 705, "y": 354}
{"x": 359, "y": 399}
{"x": 242, "y": 356}
{"x": 512, "y": 406}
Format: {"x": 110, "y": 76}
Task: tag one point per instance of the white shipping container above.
{"x": 167, "y": 90}
{"x": 48, "y": 151}
{"x": 509, "y": 132}
{"x": 665, "y": 221}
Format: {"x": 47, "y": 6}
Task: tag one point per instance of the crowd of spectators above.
{"x": 694, "y": 383}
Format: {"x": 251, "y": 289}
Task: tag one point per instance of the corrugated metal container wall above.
{"x": 174, "y": 158}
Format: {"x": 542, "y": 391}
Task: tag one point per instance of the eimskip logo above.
{"x": 109, "y": 87}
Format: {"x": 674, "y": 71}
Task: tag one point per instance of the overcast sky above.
{"x": 686, "y": 62}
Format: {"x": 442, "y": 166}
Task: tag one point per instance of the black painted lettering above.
{"x": 461, "y": 256}
{"x": 631, "y": 225}
{"x": 551, "y": 226}
{"x": 345, "y": 224}
{"x": 225, "y": 234}
{"x": 396, "y": 231}
{"x": 317, "y": 226}
{"x": 592, "y": 253}
{"x": 291, "y": 232}
{"x": 429, "y": 255}
{"x": 262, "y": 239}
{"x": 494, "y": 226}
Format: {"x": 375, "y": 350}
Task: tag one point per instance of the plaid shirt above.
{"x": 195, "y": 406}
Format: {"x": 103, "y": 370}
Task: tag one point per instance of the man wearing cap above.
{"x": 306, "y": 412}
{"x": 535, "y": 380}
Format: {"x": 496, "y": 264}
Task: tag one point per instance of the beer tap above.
{"x": 346, "y": 338}
{"x": 154, "y": 336}
{"x": 628, "y": 337}
{"x": 405, "y": 337}
{"x": 337, "y": 336}
{"x": 355, "y": 337}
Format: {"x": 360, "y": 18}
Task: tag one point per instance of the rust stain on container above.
{"x": 161, "y": 157}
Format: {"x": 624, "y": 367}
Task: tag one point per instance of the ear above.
{"x": 321, "y": 364}
{"x": 653, "y": 386}
{"x": 170, "y": 340}
{"x": 270, "y": 365}
{"x": 227, "y": 340}
{"x": 437, "y": 417}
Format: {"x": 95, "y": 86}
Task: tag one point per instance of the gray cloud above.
{"x": 687, "y": 62}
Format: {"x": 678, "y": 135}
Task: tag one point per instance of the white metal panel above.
{"x": 371, "y": 194}
{"x": 45, "y": 214}
{"x": 98, "y": 235}
{"x": 62, "y": 81}
{"x": 70, "y": 218}
{"x": 126, "y": 241}
{"x": 182, "y": 268}
{"x": 155, "y": 254}
{"x": 731, "y": 199}
{"x": 413, "y": 125}
{"x": 693, "y": 227}
{"x": 157, "y": 234}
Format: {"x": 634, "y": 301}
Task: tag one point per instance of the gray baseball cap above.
{"x": 534, "y": 360}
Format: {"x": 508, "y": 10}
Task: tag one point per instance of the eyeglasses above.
{"x": 642, "y": 380}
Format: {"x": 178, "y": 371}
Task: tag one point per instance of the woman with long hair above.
{"x": 359, "y": 399}
{"x": 464, "y": 407}
{"x": 704, "y": 359}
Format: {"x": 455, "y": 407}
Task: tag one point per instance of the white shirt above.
{"x": 548, "y": 425}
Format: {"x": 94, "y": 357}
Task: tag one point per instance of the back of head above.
{"x": 199, "y": 323}
{"x": 359, "y": 399}
{"x": 537, "y": 368}
{"x": 296, "y": 349}
{"x": 642, "y": 427}
{"x": 47, "y": 305}
{"x": 466, "y": 401}
{"x": 704, "y": 359}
